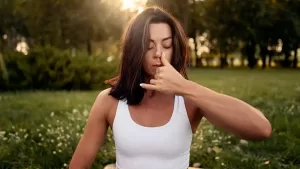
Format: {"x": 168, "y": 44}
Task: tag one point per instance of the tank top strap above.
{"x": 181, "y": 108}
{"x": 122, "y": 116}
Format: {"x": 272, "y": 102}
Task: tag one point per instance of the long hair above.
{"x": 135, "y": 40}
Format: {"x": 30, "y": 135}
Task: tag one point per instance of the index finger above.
{"x": 148, "y": 86}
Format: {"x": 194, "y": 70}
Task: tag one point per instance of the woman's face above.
{"x": 160, "y": 41}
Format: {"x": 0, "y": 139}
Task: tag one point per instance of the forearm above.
{"x": 228, "y": 113}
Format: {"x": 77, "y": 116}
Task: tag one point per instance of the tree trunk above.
{"x": 286, "y": 62}
{"x": 263, "y": 55}
{"x": 89, "y": 47}
{"x": 295, "y": 61}
{"x": 271, "y": 56}
{"x": 223, "y": 59}
{"x": 250, "y": 49}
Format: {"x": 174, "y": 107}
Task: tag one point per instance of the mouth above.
{"x": 157, "y": 65}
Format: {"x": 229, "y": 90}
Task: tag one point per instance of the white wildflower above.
{"x": 244, "y": 142}
{"x": 54, "y": 152}
{"x": 209, "y": 149}
{"x": 52, "y": 114}
{"x": 85, "y": 112}
{"x": 217, "y": 158}
{"x": 2, "y": 133}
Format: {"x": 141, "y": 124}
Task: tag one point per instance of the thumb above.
{"x": 164, "y": 60}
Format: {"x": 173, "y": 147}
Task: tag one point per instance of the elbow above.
{"x": 258, "y": 132}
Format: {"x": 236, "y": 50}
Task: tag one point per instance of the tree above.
{"x": 180, "y": 10}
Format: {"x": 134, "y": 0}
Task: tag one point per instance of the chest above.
{"x": 168, "y": 140}
{"x": 152, "y": 115}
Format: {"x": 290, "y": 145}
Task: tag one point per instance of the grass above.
{"x": 40, "y": 129}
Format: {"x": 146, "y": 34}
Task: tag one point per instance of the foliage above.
{"x": 42, "y": 129}
{"x": 50, "y": 68}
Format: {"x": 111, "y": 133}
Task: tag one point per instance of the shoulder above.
{"x": 105, "y": 98}
{"x": 105, "y": 102}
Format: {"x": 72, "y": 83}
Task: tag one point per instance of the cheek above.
{"x": 147, "y": 61}
{"x": 169, "y": 54}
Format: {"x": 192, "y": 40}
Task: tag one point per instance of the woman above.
{"x": 153, "y": 109}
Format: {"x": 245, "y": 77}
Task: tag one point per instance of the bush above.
{"x": 50, "y": 68}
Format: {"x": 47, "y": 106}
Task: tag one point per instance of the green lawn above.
{"x": 41, "y": 129}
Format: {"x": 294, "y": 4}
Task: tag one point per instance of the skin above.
{"x": 162, "y": 84}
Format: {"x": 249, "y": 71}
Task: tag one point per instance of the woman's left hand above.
{"x": 167, "y": 79}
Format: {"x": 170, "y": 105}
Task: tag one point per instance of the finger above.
{"x": 164, "y": 60}
{"x": 148, "y": 86}
{"x": 157, "y": 70}
{"x": 153, "y": 81}
{"x": 156, "y": 76}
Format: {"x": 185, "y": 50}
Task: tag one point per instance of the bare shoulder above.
{"x": 104, "y": 96}
{"x": 104, "y": 102}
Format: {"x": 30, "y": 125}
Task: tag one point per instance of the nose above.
{"x": 158, "y": 52}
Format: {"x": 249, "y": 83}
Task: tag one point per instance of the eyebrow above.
{"x": 164, "y": 39}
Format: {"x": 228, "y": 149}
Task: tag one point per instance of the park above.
{"x": 56, "y": 55}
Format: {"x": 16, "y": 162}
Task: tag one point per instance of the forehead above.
{"x": 159, "y": 31}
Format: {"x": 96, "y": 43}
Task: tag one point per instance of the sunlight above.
{"x": 129, "y": 4}
{"x": 133, "y": 5}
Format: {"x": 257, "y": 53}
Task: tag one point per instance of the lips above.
{"x": 157, "y": 65}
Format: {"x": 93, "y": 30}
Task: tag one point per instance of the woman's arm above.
{"x": 228, "y": 113}
{"x": 94, "y": 134}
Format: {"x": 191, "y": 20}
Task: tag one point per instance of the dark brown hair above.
{"x": 135, "y": 40}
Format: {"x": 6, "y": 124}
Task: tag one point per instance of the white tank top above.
{"x": 163, "y": 147}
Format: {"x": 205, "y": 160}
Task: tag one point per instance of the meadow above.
{"x": 40, "y": 129}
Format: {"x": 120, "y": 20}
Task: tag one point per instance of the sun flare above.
{"x": 133, "y": 5}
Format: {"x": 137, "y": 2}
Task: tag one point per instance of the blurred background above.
{"x": 55, "y": 55}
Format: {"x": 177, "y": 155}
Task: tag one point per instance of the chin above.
{"x": 150, "y": 74}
